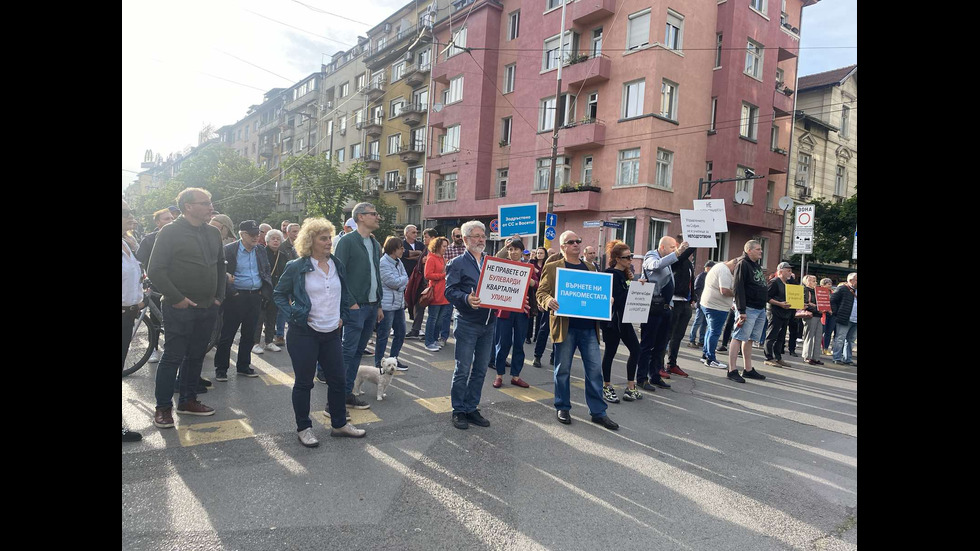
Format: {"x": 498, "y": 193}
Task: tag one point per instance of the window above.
{"x": 544, "y": 172}
{"x": 749, "y": 123}
{"x": 378, "y": 78}
{"x": 780, "y": 76}
{"x": 633, "y": 99}
{"x": 674, "y": 34}
{"x": 708, "y": 170}
{"x": 658, "y": 229}
{"x": 425, "y": 56}
{"x": 397, "y": 70}
{"x": 415, "y": 176}
{"x": 770, "y": 194}
{"x": 328, "y": 154}
{"x": 300, "y": 144}
{"x": 509, "y": 72}
{"x": 552, "y": 4}
{"x": 753, "y": 59}
{"x": 313, "y": 142}
{"x": 420, "y": 99}
{"x": 845, "y": 117}
{"x": 374, "y": 150}
{"x": 359, "y": 116}
{"x": 361, "y": 81}
{"x": 714, "y": 115}
{"x": 415, "y": 213}
{"x": 596, "y": 42}
{"x": 803, "y": 170}
{"x": 668, "y": 100}
{"x": 343, "y": 125}
{"x": 459, "y": 43}
{"x": 758, "y": 5}
{"x": 246, "y": 133}
{"x": 394, "y": 143}
{"x": 627, "y": 233}
{"x": 638, "y": 30}
{"x": 446, "y": 188}
{"x": 340, "y": 155}
{"x": 330, "y": 128}
{"x": 629, "y": 167}
{"x": 506, "y": 125}
{"x": 418, "y": 139}
{"x": 378, "y": 114}
{"x": 774, "y": 138}
{"x": 355, "y": 152}
{"x": 454, "y": 92}
{"x": 665, "y": 168}
{"x": 840, "y": 186}
{"x": 587, "y": 169}
{"x": 720, "y": 253}
{"x": 396, "y": 105}
{"x": 552, "y": 53}
{"x": 513, "y": 24}
{"x": 592, "y": 107}
{"x": 502, "y": 182}
{"x": 718, "y": 50}
{"x": 566, "y": 112}
{"x": 391, "y": 180}
{"x": 450, "y": 140}
{"x": 381, "y": 43}
{"x": 344, "y": 88}
{"x": 744, "y": 185}
{"x": 764, "y": 242}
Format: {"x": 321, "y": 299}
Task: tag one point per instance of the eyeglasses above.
{"x": 457, "y": 236}
{"x": 371, "y": 213}
{"x": 477, "y": 236}
{"x": 127, "y": 213}
{"x": 573, "y": 242}
{"x": 199, "y": 203}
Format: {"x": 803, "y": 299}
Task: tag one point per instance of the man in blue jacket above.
{"x": 474, "y": 327}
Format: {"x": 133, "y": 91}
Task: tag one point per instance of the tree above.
{"x": 833, "y": 231}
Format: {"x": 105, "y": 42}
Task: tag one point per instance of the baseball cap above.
{"x": 249, "y": 227}
{"x": 784, "y": 265}
{"x": 350, "y": 224}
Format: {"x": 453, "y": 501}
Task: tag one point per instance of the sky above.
{"x": 188, "y": 63}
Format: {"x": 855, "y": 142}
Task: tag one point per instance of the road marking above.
{"x": 448, "y": 365}
{"x": 217, "y": 431}
{"x": 839, "y": 457}
{"x": 441, "y": 404}
{"x": 577, "y": 383}
{"x": 357, "y": 417}
{"x": 532, "y": 394}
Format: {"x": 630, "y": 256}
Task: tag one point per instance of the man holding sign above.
{"x": 569, "y": 332}
{"x": 780, "y": 314}
{"x": 655, "y": 332}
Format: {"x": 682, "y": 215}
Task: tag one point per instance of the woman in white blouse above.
{"x": 313, "y": 295}
{"x": 132, "y": 295}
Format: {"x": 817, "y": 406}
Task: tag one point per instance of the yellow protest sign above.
{"x": 794, "y": 296}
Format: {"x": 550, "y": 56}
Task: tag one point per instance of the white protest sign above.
{"x": 503, "y": 284}
{"x": 697, "y": 226}
{"x": 717, "y": 208}
{"x": 638, "y": 302}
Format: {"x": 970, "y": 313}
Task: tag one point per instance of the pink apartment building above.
{"x": 655, "y": 95}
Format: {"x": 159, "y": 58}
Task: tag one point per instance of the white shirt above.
{"x": 719, "y": 276}
{"x": 132, "y": 291}
{"x": 324, "y": 292}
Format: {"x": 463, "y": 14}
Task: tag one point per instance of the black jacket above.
{"x": 620, "y": 289}
{"x": 750, "y": 285}
{"x": 684, "y": 274}
{"x": 777, "y": 291}
{"x": 186, "y": 263}
{"x": 841, "y": 302}
{"x": 699, "y": 286}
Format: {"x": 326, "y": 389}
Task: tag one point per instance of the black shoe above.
{"x": 459, "y": 421}
{"x": 205, "y": 382}
{"x": 734, "y": 376}
{"x": 477, "y": 419}
{"x": 661, "y": 383}
{"x": 648, "y": 386}
{"x": 367, "y": 352}
{"x": 320, "y": 377}
{"x": 220, "y": 375}
{"x": 201, "y": 390}
{"x": 722, "y": 348}
{"x": 248, "y": 372}
{"x": 130, "y": 436}
{"x": 551, "y": 361}
{"x": 753, "y": 375}
{"x": 606, "y": 422}
{"x": 564, "y": 417}
{"x": 412, "y": 335}
{"x": 357, "y": 403}
{"x": 792, "y": 354}
{"x": 528, "y": 341}
{"x": 537, "y": 361}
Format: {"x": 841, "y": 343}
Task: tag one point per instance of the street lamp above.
{"x": 705, "y": 192}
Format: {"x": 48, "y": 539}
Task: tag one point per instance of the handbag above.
{"x": 426, "y": 296}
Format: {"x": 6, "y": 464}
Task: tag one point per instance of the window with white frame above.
{"x": 674, "y": 34}
{"x": 718, "y": 50}
{"x": 397, "y": 70}
{"x": 758, "y": 5}
{"x": 424, "y": 59}
{"x": 774, "y": 138}
{"x": 394, "y": 143}
{"x": 359, "y": 116}
{"x": 340, "y": 155}
{"x": 453, "y": 92}
{"x": 378, "y": 78}
{"x": 627, "y": 233}
{"x": 744, "y": 185}
{"x": 665, "y": 168}
{"x": 770, "y": 194}
{"x": 344, "y": 90}
{"x": 378, "y": 114}
{"x": 638, "y": 30}
{"x": 381, "y": 43}
{"x": 629, "y": 167}
{"x": 764, "y": 242}
{"x": 355, "y": 152}
{"x": 420, "y": 99}
{"x": 719, "y": 253}
{"x": 446, "y": 187}
{"x": 592, "y": 106}
{"x": 450, "y": 140}
{"x": 803, "y": 169}
{"x": 658, "y": 229}
{"x": 415, "y": 175}
{"x": 552, "y": 53}
{"x": 330, "y": 128}
{"x": 753, "y": 59}
{"x": 418, "y": 139}
{"x": 668, "y": 100}
{"x": 543, "y": 172}
{"x": 596, "y": 42}
{"x": 459, "y": 43}
{"x": 396, "y": 105}
{"x": 840, "y": 185}
{"x": 300, "y": 144}
{"x": 391, "y": 180}
{"x": 845, "y": 118}
{"x": 506, "y": 126}
{"x": 374, "y": 150}
{"x": 714, "y": 115}
{"x": 510, "y": 71}
{"x": 749, "y": 123}
{"x": 587, "y": 169}
{"x": 780, "y": 76}
{"x": 513, "y": 24}
{"x": 502, "y": 182}
{"x": 360, "y": 81}
{"x": 633, "y": 99}
{"x": 343, "y": 124}
{"x": 566, "y": 112}
{"x": 552, "y": 4}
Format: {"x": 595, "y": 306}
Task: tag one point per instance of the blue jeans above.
{"x": 510, "y": 334}
{"x": 544, "y": 331}
{"x": 396, "y": 319}
{"x": 844, "y": 336}
{"x": 280, "y": 324}
{"x": 308, "y": 349}
{"x": 828, "y": 331}
{"x": 357, "y": 333}
{"x": 446, "y": 324}
{"x": 715, "y": 320}
{"x": 752, "y": 327}
{"x": 588, "y": 345}
{"x": 188, "y": 332}
{"x": 700, "y": 327}
{"x": 473, "y": 345}
{"x": 433, "y": 325}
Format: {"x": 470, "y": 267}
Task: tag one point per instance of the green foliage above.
{"x": 833, "y": 227}
{"x": 238, "y": 187}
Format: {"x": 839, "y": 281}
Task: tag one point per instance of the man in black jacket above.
{"x": 779, "y": 316}
{"x": 750, "y": 301}
{"x": 249, "y": 280}
{"x": 844, "y": 304}
{"x": 683, "y": 302}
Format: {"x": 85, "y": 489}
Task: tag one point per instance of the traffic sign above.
{"x": 592, "y": 224}
{"x": 551, "y": 219}
{"x": 803, "y": 229}
{"x": 616, "y": 225}
{"x": 495, "y": 225}
{"x": 549, "y": 232}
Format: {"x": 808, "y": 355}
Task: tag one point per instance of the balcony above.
{"x": 373, "y": 128}
{"x": 585, "y": 71}
{"x": 782, "y": 101}
{"x": 582, "y": 135}
{"x": 412, "y": 114}
{"x": 415, "y": 76}
{"x": 266, "y": 150}
{"x": 577, "y": 201}
{"x": 778, "y": 161}
{"x": 373, "y": 187}
{"x": 381, "y": 55}
{"x": 587, "y": 11}
{"x": 411, "y": 154}
{"x": 375, "y": 89}
{"x": 372, "y": 162}
{"x": 410, "y": 192}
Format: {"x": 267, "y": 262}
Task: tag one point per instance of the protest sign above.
{"x": 583, "y": 294}
{"x": 794, "y": 296}
{"x": 503, "y": 284}
{"x": 638, "y": 302}
{"x": 717, "y": 209}
{"x": 697, "y": 227}
{"x": 518, "y": 219}
{"x": 823, "y": 298}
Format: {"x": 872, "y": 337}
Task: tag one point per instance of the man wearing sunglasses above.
{"x": 655, "y": 332}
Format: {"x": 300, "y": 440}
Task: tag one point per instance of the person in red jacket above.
{"x": 439, "y": 307}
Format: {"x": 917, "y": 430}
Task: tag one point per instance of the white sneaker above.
{"x": 257, "y": 349}
{"x": 307, "y": 438}
{"x": 155, "y": 356}
{"x": 717, "y": 364}
{"x": 434, "y": 347}
{"x": 272, "y": 347}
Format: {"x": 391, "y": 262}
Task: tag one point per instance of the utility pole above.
{"x": 554, "y": 138}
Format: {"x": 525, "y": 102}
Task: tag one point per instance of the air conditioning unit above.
{"x": 401, "y": 179}
{"x": 359, "y": 125}
{"x": 343, "y": 131}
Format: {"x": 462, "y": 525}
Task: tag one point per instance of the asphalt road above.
{"x": 707, "y": 464}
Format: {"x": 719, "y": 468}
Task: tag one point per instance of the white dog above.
{"x": 371, "y": 374}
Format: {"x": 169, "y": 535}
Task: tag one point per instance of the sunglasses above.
{"x": 627, "y": 257}
{"x": 573, "y": 241}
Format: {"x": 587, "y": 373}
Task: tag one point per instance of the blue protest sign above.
{"x": 549, "y": 232}
{"x": 518, "y": 219}
{"x": 583, "y": 294}
{"x": 551, "y": 220}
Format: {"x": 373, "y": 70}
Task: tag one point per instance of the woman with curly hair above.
{"x": 616, "y": 330}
